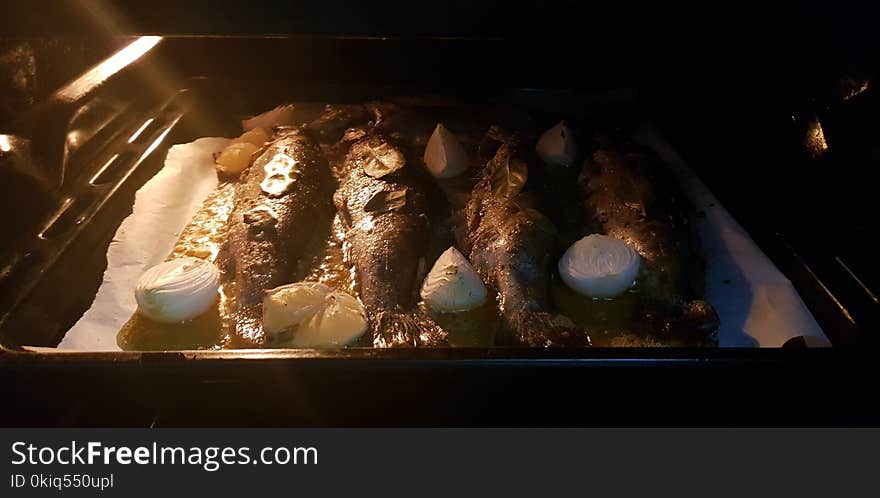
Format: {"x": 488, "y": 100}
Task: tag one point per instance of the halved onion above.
{"x": 444, "y": 155}
{"x": 599, "y": 266}
{"x": 557, "y": 146}
{"x": 177, "y": 290}
{"x": 453, "y": 284}
{"x": 316, "y": 315}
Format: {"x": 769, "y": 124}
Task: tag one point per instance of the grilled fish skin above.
{"x": 512, "y": 246}
{"x": 387, "y": 230}
{"x": 627, "y": 194}
{"x": 330, "y": 126}
{"x": 282, "y": 203}
{"x": 411, "y": 120}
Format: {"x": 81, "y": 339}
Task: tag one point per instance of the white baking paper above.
{"x": 757, "y": 305}
{"x": 162, "y": 209}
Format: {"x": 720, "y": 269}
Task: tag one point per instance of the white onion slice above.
{"x": 557, "y": 146}
{"x": 599, "y": 266}
{"x": 177, "y": 290}
{"x": 453, "y": 284}
{"x": 444, "y": 155}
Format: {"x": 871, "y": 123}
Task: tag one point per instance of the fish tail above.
{"x": 398, "y": 328}
{"x": 697, "y": 324}
{"x": 701, "y": 315}
{"x": 543, "y": 329}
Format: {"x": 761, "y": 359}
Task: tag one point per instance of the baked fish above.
{"x": 513, "y": 247}
{"x": 282, "y": 204}
{"x": 384, "y": 208}
{"x": 626, "y": 193}
{"x": 331, "y": 125}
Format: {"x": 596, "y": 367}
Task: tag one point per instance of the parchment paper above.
{"x": 757, "y": 305}
{"x": 162, "y": 208}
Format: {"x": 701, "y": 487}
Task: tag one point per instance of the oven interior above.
{"x": 78, "y": 153}
{"x": 777, "y": 114}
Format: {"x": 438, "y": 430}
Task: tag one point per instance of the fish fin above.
{"x": 542, "y": 329}
{"x": 701, "y": 315}
{"x": 697, "y": 325}
{"x": 244, "y": 329}
{"x": 398, "y": 328}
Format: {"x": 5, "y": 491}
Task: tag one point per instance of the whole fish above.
{"x": 513, "y": 246}
{"x": 627, "y": 194}
{"x": 384, "y": 208}
{"x": 282, "y": 203}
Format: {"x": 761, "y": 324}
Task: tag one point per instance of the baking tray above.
{"x": 181, "y": 89}
{"x": 181, "y": 81}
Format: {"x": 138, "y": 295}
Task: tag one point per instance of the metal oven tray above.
{"x": 188, "y": 87}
